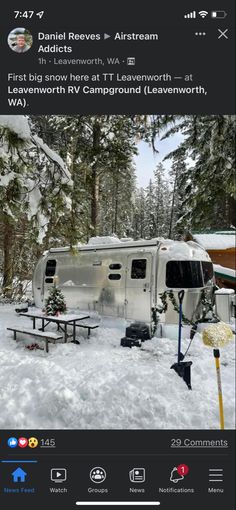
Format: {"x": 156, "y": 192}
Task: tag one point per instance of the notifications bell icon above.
{"x": 175, "y": 477}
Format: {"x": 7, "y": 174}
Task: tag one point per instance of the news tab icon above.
{"x": 137, "y": 475}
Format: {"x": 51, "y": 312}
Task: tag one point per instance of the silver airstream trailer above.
{"x": 126, "y": 279}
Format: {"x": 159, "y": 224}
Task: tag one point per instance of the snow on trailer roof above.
{"x": 225, "y": 271}
{"x": 216, "y": 241}
{"x": 174, "y": 249}
{"x": 102, "y": 245}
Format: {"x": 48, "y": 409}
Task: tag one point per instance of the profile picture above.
{"x": 20, "y": 40}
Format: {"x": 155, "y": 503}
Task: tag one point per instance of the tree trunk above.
{"x": 95, "y": 179}
{"x": 8, "y": 245}
{"x": 116, "y": 205}
{"x": 172, "y": 208}
{"x": 231, "y": 211}
{"x": 94, "y": 201}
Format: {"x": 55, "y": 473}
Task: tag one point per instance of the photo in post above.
{"x": 117, "y": 271}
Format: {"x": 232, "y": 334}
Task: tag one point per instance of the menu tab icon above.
{"x": 216, "y": 475}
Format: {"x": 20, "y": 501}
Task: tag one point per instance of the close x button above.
{"x": 223, "y": 33}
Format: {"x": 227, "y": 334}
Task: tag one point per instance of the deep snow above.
{"x": 17, "y": 124}
{"x": 99, "y": 384}
{"x": 217, "y": 241}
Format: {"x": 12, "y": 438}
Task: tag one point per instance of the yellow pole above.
{"x": 221, "y": 408}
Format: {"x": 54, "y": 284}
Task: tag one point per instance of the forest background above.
{"x": 64, "y": 179}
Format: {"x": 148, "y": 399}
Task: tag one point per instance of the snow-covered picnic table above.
{"x": 62, "y": 321}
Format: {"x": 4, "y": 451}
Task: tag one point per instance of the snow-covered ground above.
{"x": 99, "y": 384}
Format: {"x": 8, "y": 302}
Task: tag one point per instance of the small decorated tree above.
{"x": 55, "y": 303}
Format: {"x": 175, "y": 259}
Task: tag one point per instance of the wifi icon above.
{"x": 203, "y": 14}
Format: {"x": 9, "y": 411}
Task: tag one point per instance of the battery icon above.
{"x": 218, "y": 14}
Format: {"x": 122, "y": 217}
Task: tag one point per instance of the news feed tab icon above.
{"x": 18, "y": 476}
{"x": 58, "y": 475}
{"x": 98, "y": 475}
{"x": 12, "y": 442}
{"x": 137, "y": 475}
{"x": 191, "y": 15}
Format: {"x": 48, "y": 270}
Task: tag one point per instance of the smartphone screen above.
{"x": 117, "y": 255}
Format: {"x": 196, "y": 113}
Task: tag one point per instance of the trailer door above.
{"x": 139, "y": 287}
{"x": 49, "y": 276}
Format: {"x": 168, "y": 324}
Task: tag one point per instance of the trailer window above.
{"x": 51, "y": 267}
{"x": 48, "y": 280}
{"x": 115, "y": 266}
{"x": 207, "y": 269}
{"x": 184, "y": 274}
{"x": 114, "y": 276}
{"x": 138, "y": 269}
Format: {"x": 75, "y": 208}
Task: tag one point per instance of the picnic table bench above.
{"x": 62, "y": 321}
{"x": 89, "y": 324}
{"x": 47, "y": 336}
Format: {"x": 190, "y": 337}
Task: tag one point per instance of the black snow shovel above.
{"x": 182, "y": 368}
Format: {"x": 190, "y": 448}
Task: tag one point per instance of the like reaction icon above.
{"x": 12, "y": 442}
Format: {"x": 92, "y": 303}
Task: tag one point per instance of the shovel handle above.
{"x": 181, "y": 297}
{"x": 216, "y": 353}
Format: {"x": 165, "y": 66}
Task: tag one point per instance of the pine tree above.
{"x": 139, "y": 220}
{"x": 209, "y": 146}
{"x": 150, "y": 227}
{"x": 33, "y": 182}
{"x": 55, "y": 302}
{"x": 178, "y": 210}
{"x": 162, "y": 202}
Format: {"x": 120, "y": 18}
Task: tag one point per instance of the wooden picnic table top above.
{"x": 63, "y": 318}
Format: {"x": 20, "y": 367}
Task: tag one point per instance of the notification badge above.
{"x": 178, "y": 473}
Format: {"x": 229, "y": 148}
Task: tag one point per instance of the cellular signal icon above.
{"x": 203, "y": 14}
{"x": 192, "y": 15}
